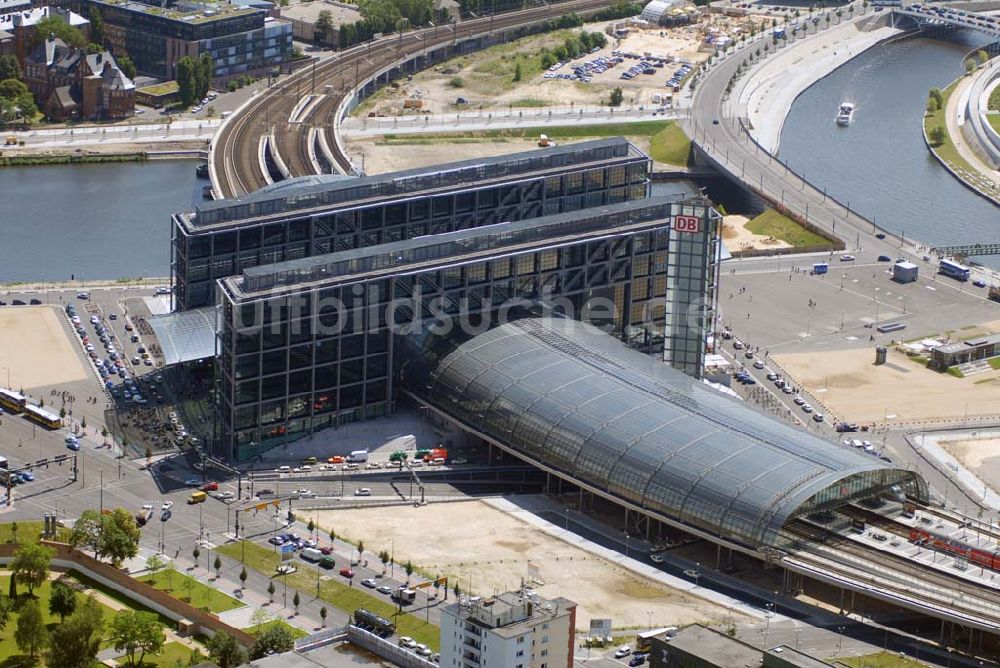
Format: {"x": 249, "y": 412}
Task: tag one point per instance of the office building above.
{"x": 698, "y": 646}
{"x": 514, "y": 630}
{"x": 325, "y": 214}
{"x": 241, "y": 40}
{"x": 316, "y": 342}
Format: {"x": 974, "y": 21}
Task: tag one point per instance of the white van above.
{"x": 437, "y": 461}
{"x": 311, "y": 554}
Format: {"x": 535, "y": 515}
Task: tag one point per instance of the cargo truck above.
{"x": 404, "y": 596}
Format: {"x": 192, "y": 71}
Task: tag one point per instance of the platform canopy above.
{"x": 185, "y": 336}
{"x": 579, "y": 403}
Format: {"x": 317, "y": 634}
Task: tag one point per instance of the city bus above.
{"x": 643, "y": 638}
{"x": 42, "y": 417}
{"x": 11, "y": 401}
{"x": 953, "y": 269}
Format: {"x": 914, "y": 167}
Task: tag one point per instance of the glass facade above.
{"x": 306, "y": 357}
{"x": 240, "y": 40}
{"x": 395, "y": 207}
{"x": 569, "y": 398}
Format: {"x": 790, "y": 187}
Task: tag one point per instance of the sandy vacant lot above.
{"x": 974, "y": 453}
{"x": 858, "y": 391}
{"x": 472, "y": 540}
{"x": 35, "y": 348}
{"x": 738, "y": 237}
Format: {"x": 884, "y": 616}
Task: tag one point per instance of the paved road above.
{"x": 716, "y": 128}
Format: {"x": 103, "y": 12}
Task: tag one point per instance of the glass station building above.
{"x": 316, "y": 342}
{"x": 326, "y": 214}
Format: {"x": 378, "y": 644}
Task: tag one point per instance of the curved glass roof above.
{"x": 574, "y": 399}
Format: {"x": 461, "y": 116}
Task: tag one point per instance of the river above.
{"x": 112, "y": 221}
{"x": 880, "y": 164}
{"x": 100, "y": 221}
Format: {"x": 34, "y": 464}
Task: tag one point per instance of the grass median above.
{"x": 338, "y": 594}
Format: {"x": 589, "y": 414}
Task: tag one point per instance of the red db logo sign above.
{"x": 687, "y": 223}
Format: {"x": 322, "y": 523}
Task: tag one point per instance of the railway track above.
{"x": 903, "y": 578}
{"x": 236, "y": 170}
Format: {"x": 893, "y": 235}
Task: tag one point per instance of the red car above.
{"x": 210, "y": 487}
{"x": 347, "y": 572}
{"x": 326, "y": 550}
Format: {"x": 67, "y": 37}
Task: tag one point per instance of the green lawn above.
{"x": 954, "y": 371}
{"x": 10, "y": 655}
{"x": 27, "y": 532}
{"x": 994, "y": 362}
{"x": 881, "y": 660}
{"x": 671, "y": 146}
{"x": 994, "y": 120}
{"x": 336, "y": 591}
{"x": 174, "y": 655}
{"x": 188, "y": 589}
{"x": 294, "y": 630}
{"x": 774, "y": 224}
{"x": 638, "y": 129}
{"x": 945, "y": 150}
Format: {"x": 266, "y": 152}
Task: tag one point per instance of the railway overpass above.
{"x": 278, "y": 135}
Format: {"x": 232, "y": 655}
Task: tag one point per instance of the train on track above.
{"x": 974, "y": 555}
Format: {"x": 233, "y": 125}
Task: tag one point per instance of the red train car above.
{"x": 975, "y": 555}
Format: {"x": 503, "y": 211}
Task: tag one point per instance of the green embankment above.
{"x": 881, "y": 660}
{"x": 187, "y": 588}
{"x": 31, "y": 160}
{"x": 774, "y": 224}
{"x": 668, "y": 143}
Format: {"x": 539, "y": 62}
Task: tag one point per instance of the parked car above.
{"x": 347, "y": 572}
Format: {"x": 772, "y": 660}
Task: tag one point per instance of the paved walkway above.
{"x": 954, "y": 111}
{"x": 773, "y": 87}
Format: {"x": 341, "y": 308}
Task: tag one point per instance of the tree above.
{"x": 270, "y": 591}
{"x": 155, "y": 563}
{"x": 311, "y": 526}
{"x": 205, "y": 69}
{"x": 31, "y": 565}
{"x": 243, "y": 577}
{"x": 136, "y": 633}
{"x": 937, "y": 95}
{"x": 186, "y": 82}
{"x": 54, "y": 25}
{"x": 225, "y": 651}
{"x": 16, "y": 101}
{"x": 6, "y": 607}
{"x": 361, "y": 548}
{"x": 259, "y": 617}
{"x": 96, "y": 25}
{"x": 295, "y": 601}
{"x": 9, "y": 68}
{"x": 196, "y": 552}
{"x": 272, "y": 640}
{"x": 324, "y": 24}
{"x": 408, "y": 568}
{"x": 333, "y": 535}
{"x": 982, "y": 56}
{"x": 932, "y": 105}
{"x": 119, "y": 536}
{"x": 13, "y": 525}
{"x": 31, "y": 634}
{"x": 218, "y": 566}
{"x": 617, "y": 97}
{"x": 75, "y": 642}
{"x": 12, "y": 589}
{"x": 936, "y": 135}
{"x": 62, "y": 600}
{"x": 518, "y": 73}
{"x": 322, "y": 615}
